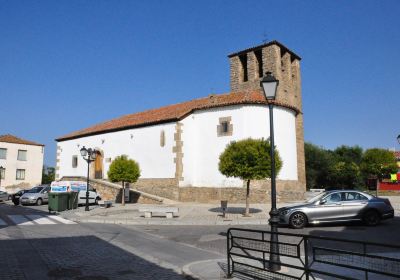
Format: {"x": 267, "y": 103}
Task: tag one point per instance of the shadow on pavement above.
{"x": 79, "y": 258}
{"x": 234, "y": 210}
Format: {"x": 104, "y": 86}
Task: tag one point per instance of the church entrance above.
{"x": 98, "y": 166}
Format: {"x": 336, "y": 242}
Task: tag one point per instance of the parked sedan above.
{"x": 3, "y": 196}
{"x": 37, "y": 195}
{"x": 337, "y": 206}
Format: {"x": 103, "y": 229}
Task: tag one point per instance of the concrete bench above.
{"x": 167, "y": 210}
{"x": 105, "y": 203}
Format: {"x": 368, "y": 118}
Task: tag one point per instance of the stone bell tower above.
{"x": 247, "y": 68}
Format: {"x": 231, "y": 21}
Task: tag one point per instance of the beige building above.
{"x": 21, "y": 161}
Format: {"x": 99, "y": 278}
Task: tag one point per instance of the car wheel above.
{"x": 298, "y": 220}
{"x": 371, "y": 218}
{"x": 39, "y": 202}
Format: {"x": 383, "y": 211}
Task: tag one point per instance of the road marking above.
{"x": 20, "y": 220}
{"x": 62, "y": 220}
{"x": 41, "y": 220}
{"x": 2, "y": 223}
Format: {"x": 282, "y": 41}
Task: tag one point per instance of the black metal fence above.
{"x": 310, "y": 257}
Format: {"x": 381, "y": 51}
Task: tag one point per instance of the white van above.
{"x": 76, "y": 186}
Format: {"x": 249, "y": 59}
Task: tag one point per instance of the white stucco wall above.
{"x": 33, "y": 165}
{"x": 202, "y": 146}
{"x": 140, "y": 144}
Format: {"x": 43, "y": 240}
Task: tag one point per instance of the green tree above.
{"x": 349, "y": 154}
{"x": 344, "y": 170}
{"x": 344, "y": 174}
{"x": 248, "y": 159}
{"x": 318, "y": 165}
{"x": 123, "y": 170}
{"x": 48, "y": 174}
{"x": 378, "y": 162}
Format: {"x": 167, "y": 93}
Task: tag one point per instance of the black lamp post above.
{"x": 398, "y": 138}
{"x": 89, "y": 155}
{"x": 1, "y": 174}
{"x": 269, "y": 85}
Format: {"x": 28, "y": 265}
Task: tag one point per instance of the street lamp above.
{"x": 398, "y": 138}
{"x": 1, "y": 174}
{"x": 89, "y": 155}
{"x": 269, "y": 85}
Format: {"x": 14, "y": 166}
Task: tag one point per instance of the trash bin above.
{"x": 73, "y": 200}
{"x": 58, "y": 201}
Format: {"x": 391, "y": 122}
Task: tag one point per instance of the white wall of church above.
{"x": 202, "y": 145}
{"x": 140, "y": 144}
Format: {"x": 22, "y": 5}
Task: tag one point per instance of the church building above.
{"x": 178, "y": 146}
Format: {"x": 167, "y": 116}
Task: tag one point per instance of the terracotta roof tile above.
{"x": 8, "y": 138}
{"x": 172, "y": 113}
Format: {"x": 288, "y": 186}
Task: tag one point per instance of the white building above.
{"x": 178, "y": 146}
{"x": 21, "y": 161}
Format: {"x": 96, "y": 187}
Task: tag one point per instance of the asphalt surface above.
{"x": 36, "y": 245}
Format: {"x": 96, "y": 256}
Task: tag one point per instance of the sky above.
{"x": 67, "y": 65}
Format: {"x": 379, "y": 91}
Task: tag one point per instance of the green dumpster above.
{"x": 58, "y": 201}
{"x": 73, "y": 200}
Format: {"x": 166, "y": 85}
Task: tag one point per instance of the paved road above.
{"x": 36, "y": 245}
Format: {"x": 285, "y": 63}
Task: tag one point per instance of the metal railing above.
{"x": 310, "y": 257}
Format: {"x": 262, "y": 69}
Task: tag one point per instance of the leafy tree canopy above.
{"x": 378, "y": 162}
{"x": 123, "y": 169}
{"x": 248, "y": 159}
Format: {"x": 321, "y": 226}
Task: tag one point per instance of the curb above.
{"x": 188, "y": 273}
{"x": 158, "y": 222}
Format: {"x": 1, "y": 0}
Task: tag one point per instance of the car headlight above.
{"x": 284, "y": 212}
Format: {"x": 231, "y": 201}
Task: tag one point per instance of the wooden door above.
{"x": 98, "y": 166}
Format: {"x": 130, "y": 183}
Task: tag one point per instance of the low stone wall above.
{"x": 15, "y": 188}
{"x": 259, "y": 191}
{"x": 113, "y": 192}
{"x": 164, "y": 187}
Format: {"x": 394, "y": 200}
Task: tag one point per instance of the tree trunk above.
{"x": 123, "y": 193}
{"x": 247, "y": 211}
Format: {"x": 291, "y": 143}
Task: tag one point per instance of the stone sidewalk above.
{"x": 189, "y": 214}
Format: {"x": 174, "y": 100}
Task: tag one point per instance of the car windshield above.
{"x": 316, "y": 198}
{"x": 35, "y": 190}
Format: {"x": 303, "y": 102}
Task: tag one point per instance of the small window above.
{"x": 162, "y": 138}
{"x": 258, "y": 55}
{"x": 3, "y": 153}
{"x": 22, "y": 155}
{"x": 2, "y": 173}
{"x": 20, "y": 174}
{"x": 243, "y": 62}
{"x": 225, "y": 127}
{"x": 74, "y": 161}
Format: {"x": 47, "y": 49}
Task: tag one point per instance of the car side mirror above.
{"x": 322, "y": 201}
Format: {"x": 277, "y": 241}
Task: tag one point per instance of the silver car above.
{"x": 337, "y": 206}
{"x": 4, "y": 196}
{"x": 37, "y": 195}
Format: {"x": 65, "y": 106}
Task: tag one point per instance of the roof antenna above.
{"x": 265, "y": 37}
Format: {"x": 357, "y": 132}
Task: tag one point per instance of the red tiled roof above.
{"x": 8, "y": 138}
{"x": 173, "y": 113}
